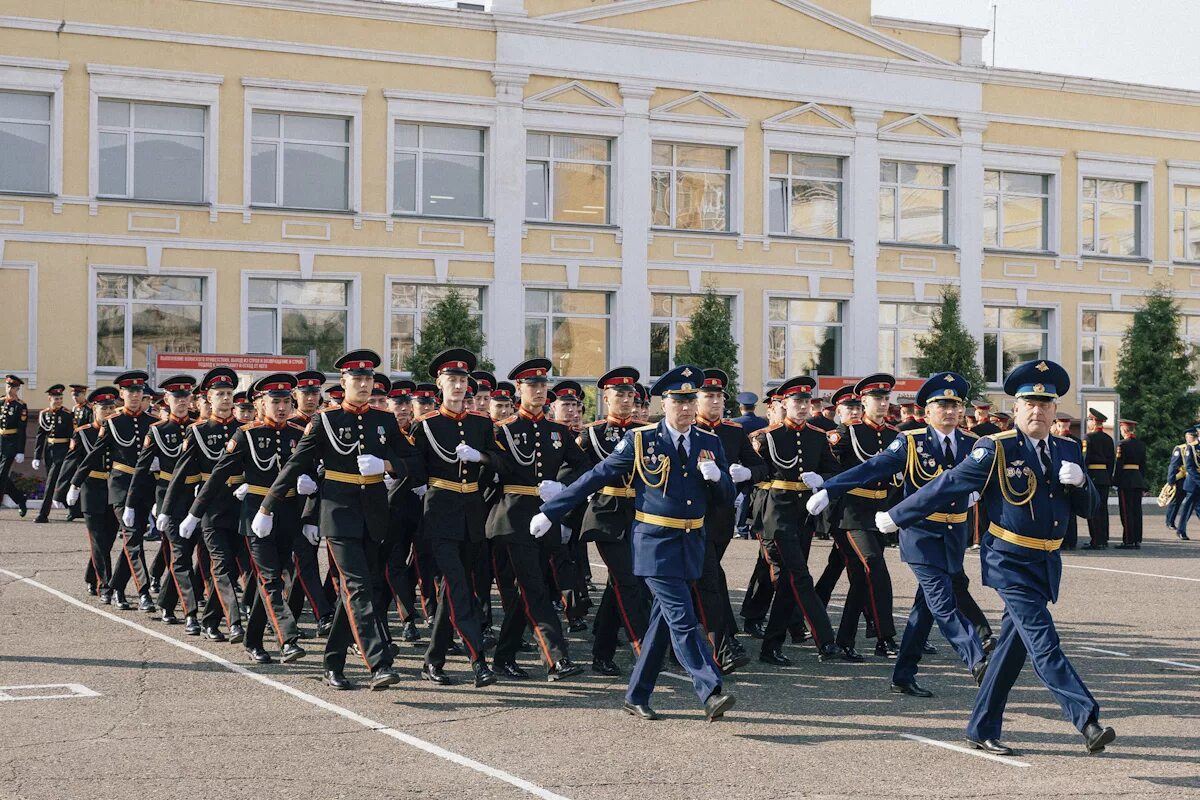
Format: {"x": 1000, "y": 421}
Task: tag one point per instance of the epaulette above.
{"x": 1057, "y": 436}
{"x": 915, "y": 431}
{"x": 853, "y": 422}
{"x": 731, "y": 423}
{"x": 88, "y": 425}
{"x": 893, "y": 427}
{"x": 427, "y": 415}
{"x": 160, "y": 422}
{"x": 971, "y": 435}
{"x": 488, "y": 417}
{"x": 702, "y": 430}
{"x": 653, "y": 427}
{"x": 250, "y": 425}
{"x": 507, "y": 420}
{"x": 1002, "y": 435}
{"x": 766, "y": 430}
{"x": 594, "y": 424}
{"x": 295, "y": 423}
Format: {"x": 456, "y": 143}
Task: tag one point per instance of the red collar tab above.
{"x": 353, "y": 409}
{"x": 611, "y": 420}
{"x": 445, "y": 412}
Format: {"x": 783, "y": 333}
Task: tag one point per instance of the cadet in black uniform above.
{"x": 1101, "y": 456}
{"x": 405, "y": 508}
{"x": 91, "y": 496}
{"x": 306, "y": 574}
{"x": 1131, "y": 485}
{"x": 55, "y": 426}
{"x": 14, "y": 417}
{"x": 81, "y": 414}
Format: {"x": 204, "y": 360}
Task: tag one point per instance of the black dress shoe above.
{"x": 928, "y": 649}
{"x": 291, "y": 652}
{"x": 829, "y": 652}
{"x": 731, "y": 662}
{"x": 106, "y": 596}
{"x": 640, "y": 711}
{"x": 911, "y": 688}
{"x": 1124, "y": 546}
{"x": 488, "y": 643}
{"x": 483, "y": 674}
{"x": 213, "y": 634}
{"x": 393, "y": 648}
{"x": 1095, "y": 737}
{"x": 236, "y": 633}
{"x": 146, "y": 605}
{"x": 23, "y": 511}
{"x": 169, "y": 618}
{"x": 258, "y": 655}
{"x": 383, "y": 677}
{"x": 716, "y": 705}
{"x": 324, "y": 625}
{"x": 335, "y": 678}
{"x": 577, "y": 626}
{"x": 155, "y": 586}
{"x": 563, "y": 668}
{"x": 755, "y": 628}
{"x": 526, "y": 647}
{"x": 604, "y": 666}
{"x": 1182, "y": 536}
{"x": 41, "y": 520}
{"x": 190, "y": 626}
{"x": 886, "y": 648}
{"x": 121, "y": 603}
{"x": 152, "y": 536}
{"x": 993, "y": 746}
{"x": 978, "y": 671}
{"x": 989, "y": 644}
{"x": 850, "y": 654}
{"x": 510, "y": 669}
{"x": 435, "y": 674}
{"x": 775, "y": 657}
{"x": 409, "y": 632}
{"x": 73, "y": 517}
{"x": 90, "y": 589}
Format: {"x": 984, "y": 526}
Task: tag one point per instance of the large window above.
{"x": 1016, "y": 207}
{"x": 806, "y": 195}
{"x": 437, "y": 171}
{"x": 803, "y": 337}
{"x": 670, "y": 324}
{"x": 570, "y": 329}
{"x": 1013, "y": 336}
{"x": 1112, "y": 217}
{"x": 292, "y": 317}
{"x": 1100, "y": 344}
{"x": 24, "y": 142}
{"x": 136, "y": 311}
{"x": 899, "y": 326}
{"x": 409, "y": 304}
{"x": 689, "y": 187}
{"x": 1185, "y": 223}
{"x": 914, "y": 202}
{"x": 567, "y": 178}
{"x": 151, "y": 151}
{"x": 300, "y": 161}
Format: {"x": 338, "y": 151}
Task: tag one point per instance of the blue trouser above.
{"x": 1028, "y": 628}
{"x": 1189, "y": 506}
{"x": 934, "y": 602}
{"x": 673, "y": 621}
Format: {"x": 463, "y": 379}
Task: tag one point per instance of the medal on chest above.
{"x": 555, "y": 440}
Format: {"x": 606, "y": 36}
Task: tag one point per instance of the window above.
{"x": 670, "y": 324}
{"x": 913, "y": 202}
{"x": 151, "y": 151}
{"x": 689, "y": 187}
{"x": 437, "y": 171}
{"x": 1013, "y": 336}
{"x": 567, "y": 178}
{"x": 1015, "y": 210}
{"x": 291, "y": 317}
{"x": 24, "y": 142}
{"x": 803, "y": 337}
{"x": 570, "y": 329}
{"x": 136, "y": 311}
{"x": 806, "y": 195}
{"x": 1185, "y": 222}
{"x": 1112, "y": 217}
{"x": 1099, "y": 345}
{"x": 300, "y": 161}
{"x": 410, "y": 302}
{"x": 899, "y": 326}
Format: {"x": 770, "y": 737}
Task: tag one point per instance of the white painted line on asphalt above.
{"x": 73, "y": 690}
{"x": 345, "y": 713}
{"x": 1131, "y": 572}
{"x": 1106, "y": 652}
{"x": 1166, "y": 661}
{"x": 1011, "y": 762}
{"x": 1171, "y": 663}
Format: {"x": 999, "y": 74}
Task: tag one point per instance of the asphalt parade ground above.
{"x": 99, "y": 703}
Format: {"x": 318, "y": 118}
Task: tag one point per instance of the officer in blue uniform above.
{"x": 1031, "y": 482}
{"x": 1191, "y": 483}
{"x": 932, "y": 547}
{"x": 1176, "y": 477}
{"x": 677, "y": 470}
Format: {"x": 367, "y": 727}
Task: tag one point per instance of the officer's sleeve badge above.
{"x": 979, "y": 454}
{"x": 834, "y": 437}
{"x": 895, "y": 445}
{"x": 620, "y": 446}
{"x": 230, "y": 446}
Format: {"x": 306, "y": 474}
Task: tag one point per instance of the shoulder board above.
{"x": 250, "y": 425}
{"x": 78, "y": 428}
{"x": 706, "y": 433}
{"x": 1056, "y": 436}
{"x": 970, "y": 435}
{"x": 160, "y": 422}
{"x": 891, "y": 427}
{"x": 488, "y": 417}
{"x": 594, "y": 424}
{"x": 768, "y": 429}
{"x": 295, "y": 424}
{"x": 853, "y": 422}
{"x": 426, "y": 415}
{"x": 507, "y": 420}
{"x": 915, "y": 432}
{"x": 325, "y": 410}
{"x": 1001, "y": 435}
{"x": 649, "y": 428}
{"x": 731, "y": 423}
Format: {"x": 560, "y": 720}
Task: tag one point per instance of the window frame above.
{"x": 949, "y": 188}
{"x": 549, "y": 316}
{"x": 1080, "y": 335}
{"x": 843, "y": 303}
{"x": 1000, "y": 195}
{"x": 842, "y": 182}
{"x": 550, "y": 160}
{"x": 898, "y": 328}
{"x": 130, "y": 131}
{"x": 733, "y": 296}
{"x": 1191, "y": 181}
{"x": 1051, "y": 339}
{"x": 353, "y": 301}
{"x": 1139, "y": 207}
{"x": 733, "y": 189}
{"x": 40, "y": 76}
{"x": 1118, "y": 167}
{"x": 388, "y": 311}
{"x": 394, "y": 149}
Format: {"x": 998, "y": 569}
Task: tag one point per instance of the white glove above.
{"x": 738, "y": 473}
{"x": 154, "y": 465}
{"x": 154, "y": 513}
{"x": 188, "y": 526}
{"x": 972, "y": 499}
{"x": 37, "y": 464}
{"x": 241, "y": 492}
{"x": 710, "y": 471}
{"x": 161, "y": 521}
{"x": 72, "y": 495}
{"x": 419, "y": 491}
{"x": 128, "y": 517}
{"x": 539, "y": 525}
{"x": 1070, "y": 474}
{"x": 388, "y": 481}
{"x": 465, "y": 452}
{"x": 262, "y": 525}
{"x": 812, "y": 480}
{"x": 370, "y": 465}
{"x": 818, "y": 502}
{"x": 548, "y": 490}
{"x": 20, "y": 459}
{"x": 312, "y": 533}
{"x": 566, "y": 533}
{"x": 305, "y": 485}
{"x": 883, "y": 521}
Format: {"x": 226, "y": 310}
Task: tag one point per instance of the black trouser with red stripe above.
{"x": 756, "y": 603}
{"x": 870, "y": 586}
{"x": 354, "y": 615}
{"x": 269, "y": 558}
{"x": 1130, "y": 503}
{"x": 426, "y": 572}
{"x": 712, "y": 596}
{"x": 531, "y": 603}
{"x": 306, "y": 580}
{"x": 793, "y": 590}
{"x": 102, "y": 533}
{"x": 626, "y": 602}
{"x": 182, "y": 584}
{"x": 457, "y": 610}
{"x": 134, "y": 563}
{"x": 223, "y": 545}
{"x": 53, "y": 475}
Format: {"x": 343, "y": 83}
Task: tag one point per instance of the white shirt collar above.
{"x": 674, "y": 436}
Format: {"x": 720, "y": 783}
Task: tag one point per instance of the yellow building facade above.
{"x": 278, "y": 176}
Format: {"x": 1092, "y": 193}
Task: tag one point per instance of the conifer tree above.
{"x": 710, "y": 343}
{"x": 949, "y": 346}
{"x": 448, "y": 324}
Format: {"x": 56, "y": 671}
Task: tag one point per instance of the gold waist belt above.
{"x": 353, "y": 477}
{"x": 791, "y": 486}
{"x": 1097, "y": 466}
{"x": 166, "y": 476}
{"x": 58, "y": 441}
{"x": 531, "y": 491}
{"x": 618, "y": 491}
{"x": 451, "y": 486}
{"x": 98, "y": 474}
{"x": 870, "y": 494}
{"x": 1131, "y": 466}
{"x": 119, "y": 467}
{"x": 1049, "y": 545}
{"x": 669, "y": 522}
{"x": 7, "y": 431}
{"x": 261, "y": 491}
{"x": 950, "y": 519}
{"x": 234, "y": 481}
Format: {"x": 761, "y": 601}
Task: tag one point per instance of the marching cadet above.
{"x": 798, "y": 459}
{"x": 485, "y": 382}
{"x": 405, "y": 508}
{"x": 219, "y": 527}
{"x": 454, "y": 444}
{"x": 1101, "y": 456}
{"x": 570, "y": 566}
{"x": 1177, "y": 478}
{"x": 984, "y": 425}
{"x": 243, "y": 408}
{"x": 908, "y": 419}
{"x": 568, "y": 404}
{"x": 81, "y": 414}
{"x": 358, "y": 445}
{"x": 677, "y": 472}
{"x": 259, "y": 451}
{"x": 55, "y": 426}
{"x": 536, "y": 459}
{"x": 1062, "y": 427}
{"x": 641, "y": 404}
{"x": 306, "y": 573}
{"x": 1030, "y": 480}
{"x": 760, "y": 590}
{"x": 847, "y": 408}
{"x": 932, "y": 547}
{"x": 607, "y": 521}
{"x": 500, "y": 403}
{"x": 14, "y": 416}
{"x": 425, "y": 399}
{"x": 1130, "y": 481}
{"x": 92, "y": 495}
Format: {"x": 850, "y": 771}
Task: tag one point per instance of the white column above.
{"x": 506, "y": 305}
{"x": 631, "y": 310}
{"x": 969, "y": 234}
{"x": 860, "y": 332}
